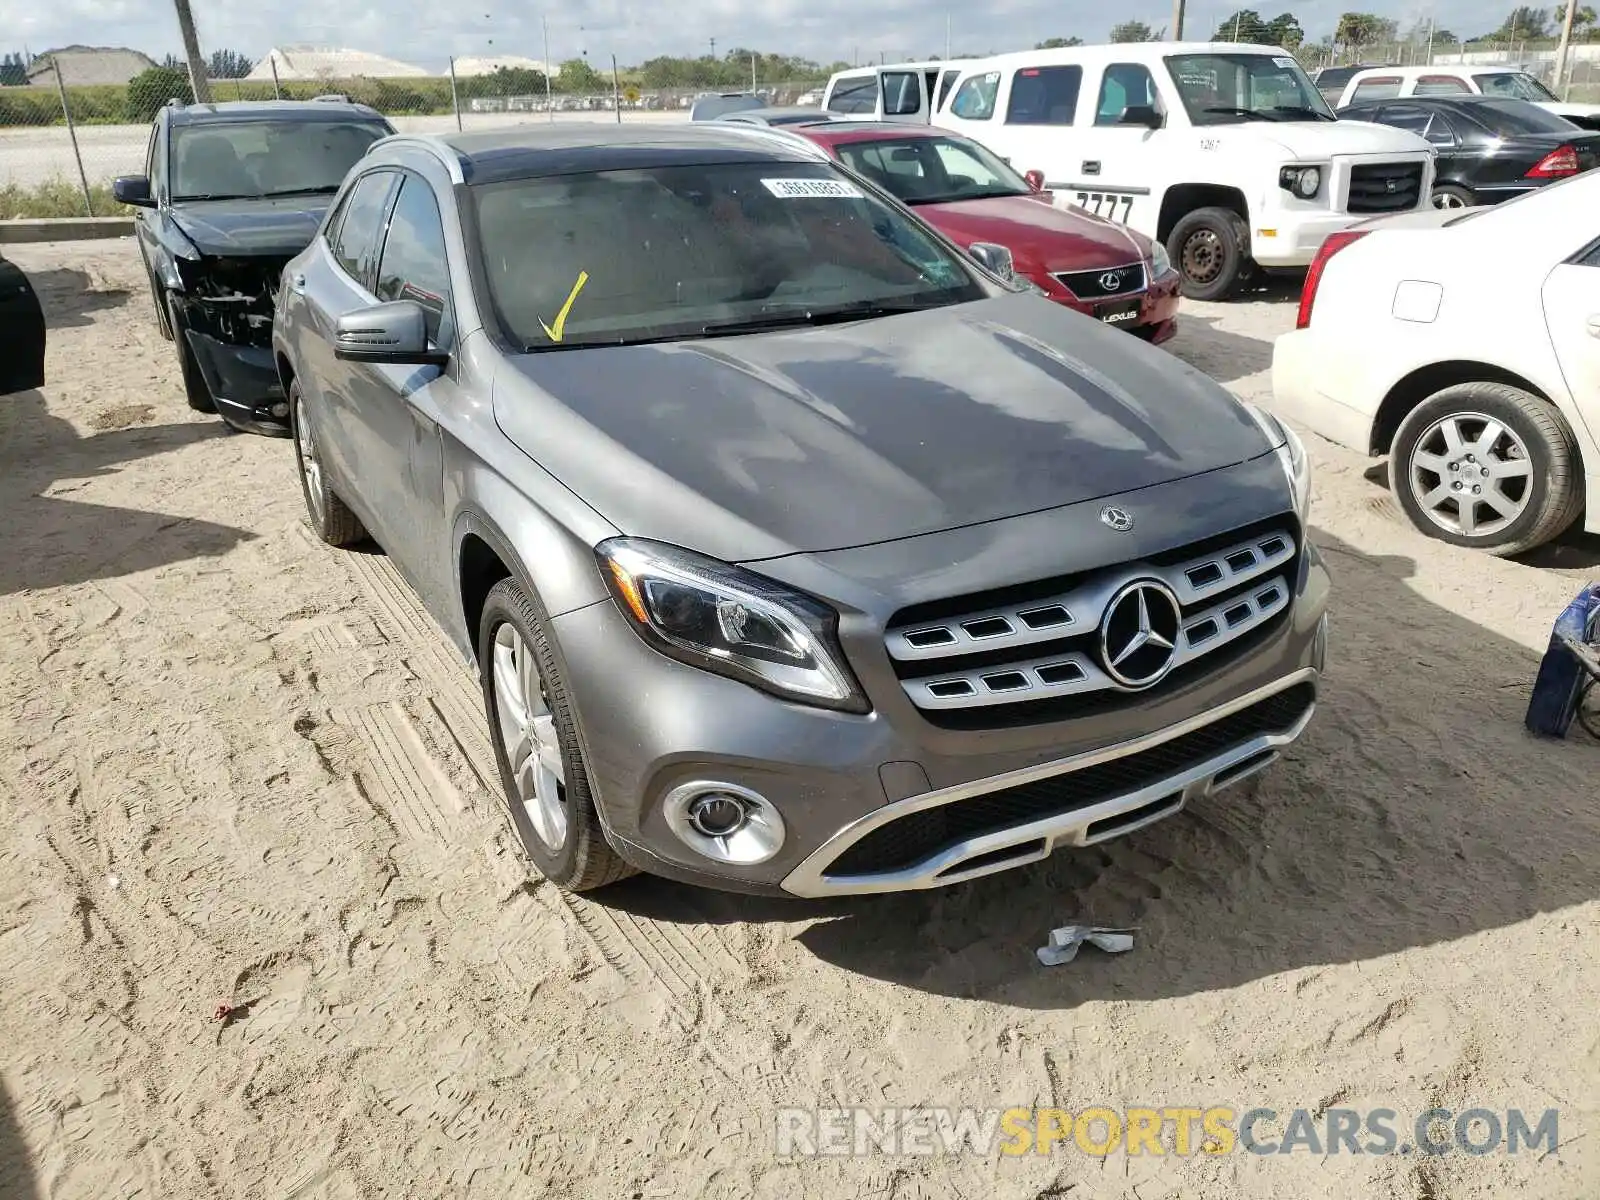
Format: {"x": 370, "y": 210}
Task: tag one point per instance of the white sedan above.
{"x": 1465, "y": 345}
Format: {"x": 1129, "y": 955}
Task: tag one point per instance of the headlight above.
{"x": 731, "y": 621}
{"x": 1160, "y": 263}
{"x": 1304, "y": 182}
{"x": 1291, "y": 453}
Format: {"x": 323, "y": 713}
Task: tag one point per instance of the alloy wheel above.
{"x": 528, "y": 733}
{"x": 309, "y": 463}
{"x": 1471, "y": 475}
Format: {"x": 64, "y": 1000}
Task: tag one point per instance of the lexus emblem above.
{"x": 1139, "y": 634}
{"x": 1119, "y": 519}
{"x": 1111, "y": 281}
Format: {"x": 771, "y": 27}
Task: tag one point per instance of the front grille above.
{"x": 1384, "y": 187}
{"x": 978, "y": 663}
{"x": 1107, "y": 281}
{"x": 920, "y": 835}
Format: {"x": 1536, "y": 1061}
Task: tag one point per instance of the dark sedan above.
{"x": 21, "y": 332}
{"x": 231, "y": 192}
{"x": 1490, "y": 148}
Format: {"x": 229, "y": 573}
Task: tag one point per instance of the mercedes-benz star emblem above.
{"x": 1119, "y": 519}
{"x": 1111, "y": 281}
{"x": 1139, "y": 634}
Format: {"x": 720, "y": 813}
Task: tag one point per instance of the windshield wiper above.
{"x": 326, "y": 189}
{"x": 791, "y": 318}
{"x": 957, "y": 197}
{"x": 1300, "y": 111}
{"x": 218, "y": 196}
{"x": 1257, "y": 113}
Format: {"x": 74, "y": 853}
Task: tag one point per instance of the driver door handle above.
{"x": 1091, "y": 166}
{"x": 297, "y": 281}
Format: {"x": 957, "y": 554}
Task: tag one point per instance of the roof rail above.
{"x": 453, "y": 160}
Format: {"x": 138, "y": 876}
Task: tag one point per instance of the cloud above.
{"x": 426, "y": 32}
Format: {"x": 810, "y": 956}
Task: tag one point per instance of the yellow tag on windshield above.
{"x": 554, "y": 331}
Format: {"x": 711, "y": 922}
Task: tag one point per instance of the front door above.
{"x": 394, "y": 411}
{"x": 21, "y": 332}
{"x": 1118, "y": 152}
{"x": 1572, "y": 314}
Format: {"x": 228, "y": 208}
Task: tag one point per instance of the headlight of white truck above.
{"x": 1303, "y": 181}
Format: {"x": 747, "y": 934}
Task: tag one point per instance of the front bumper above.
{"x": 244, "y": 383}
{"x": 1156, "y": 319}
{"x": 650, "y": 725}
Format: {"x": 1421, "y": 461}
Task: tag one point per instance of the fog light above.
{"x": 280, "y": 410}
{"x": 725, "y": 823}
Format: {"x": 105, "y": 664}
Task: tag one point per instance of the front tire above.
{"x": 1488, "y": 467}
{"x": 195, "y": 389}
{"x": 534, "y": 732}
{"x": 329, "y": 517}
{"x": 1211, "y": 250}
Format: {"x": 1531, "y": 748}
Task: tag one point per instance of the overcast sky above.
{"x": 425, "y": 32}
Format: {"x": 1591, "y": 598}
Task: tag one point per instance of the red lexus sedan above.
{"x": 970, "y": 195}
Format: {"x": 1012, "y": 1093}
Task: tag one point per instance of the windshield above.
{"x": 234, "y": 159}
{"x": 1227, "y": 89}
{"x": 658, "y": 253}
{"x": 1517, "y": 84}
{"x": 933, "y": 170}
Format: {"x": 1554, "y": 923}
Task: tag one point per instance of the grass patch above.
{"x": 57, "y": 198}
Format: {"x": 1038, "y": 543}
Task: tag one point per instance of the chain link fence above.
{"x": 62, "y": 140}
{"x": 71, "y": 122}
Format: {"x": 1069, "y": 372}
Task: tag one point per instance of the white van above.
{"x": 1392, "y": 83}
{"x": 1227, "y": 153}
{"x": 897, "y": 92}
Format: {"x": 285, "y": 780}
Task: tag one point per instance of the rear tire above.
{"x": 1211, "y": 250}
{"x": 1449, "y": 195}
{"x": 195, "y": 389}
{"x": 1527, "y": 476}
{"x": 534, "y": 733}
{"x": 329, "y": 517}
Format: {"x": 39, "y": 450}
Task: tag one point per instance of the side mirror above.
{"x": 394, "y": 333}
{"x": 994, "y": 259}
{"x": 133, "y": 190}
{"x": 1035, "y": 180}
{"x": 1141, "y": 114}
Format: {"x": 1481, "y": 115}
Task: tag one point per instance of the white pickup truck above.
{"x": 1225, "y": 152}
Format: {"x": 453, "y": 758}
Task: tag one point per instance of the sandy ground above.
{"x": 29, "y": 157}
{"x": 237, "y": 767}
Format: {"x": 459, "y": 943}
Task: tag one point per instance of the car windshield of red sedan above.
{"x": 666, "y": 253}
{"x": 932, "y": 170}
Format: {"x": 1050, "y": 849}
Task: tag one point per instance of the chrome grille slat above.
{"x": 1086, "y": 285}
{"x": 1249, "y": 572}
{"x": 1083, "y": 606}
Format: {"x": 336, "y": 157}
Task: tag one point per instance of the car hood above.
{"x": 762, "y": 445}
{"x": 1325, "y": 139}
{"x": 1037, "y": 233}
{"x": 282, "y": 226}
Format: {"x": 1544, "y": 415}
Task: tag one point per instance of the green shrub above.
{"x": 56, "y": 198}
{"x": 149, "y": 90}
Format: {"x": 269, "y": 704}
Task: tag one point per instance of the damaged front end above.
{"x": 225, "y": 307}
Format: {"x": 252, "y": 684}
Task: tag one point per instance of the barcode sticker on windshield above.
{"x": 812, "y": 189}
{"x": 1288, "y": 64}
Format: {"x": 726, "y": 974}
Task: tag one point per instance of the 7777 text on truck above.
{"x": 1226, "y": 153}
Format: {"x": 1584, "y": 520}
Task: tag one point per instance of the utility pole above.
{"x": 1562, "y": 47}
{"x": 947, "y": 37}
{"x": 191, "y": 50}
{"x": 1177, "y": 20}
{"x": 713, "y": 49}
{"x": 752, "y": 71}
{"x": 549, "y": 103}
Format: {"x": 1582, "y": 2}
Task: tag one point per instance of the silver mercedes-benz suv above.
{"x": 796, "y": 552}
